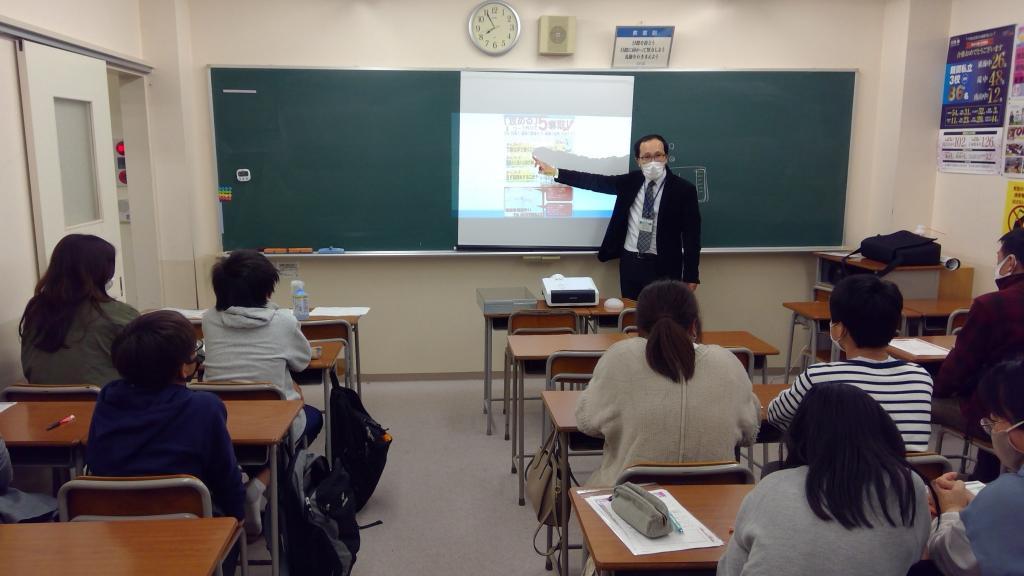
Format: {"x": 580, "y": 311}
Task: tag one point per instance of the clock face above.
{"x": 494, "y": 27}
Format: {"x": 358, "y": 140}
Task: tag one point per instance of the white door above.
{"x": 67, "y": 131}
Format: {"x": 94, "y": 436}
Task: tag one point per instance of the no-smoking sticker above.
{"x": 1013, "y": 214}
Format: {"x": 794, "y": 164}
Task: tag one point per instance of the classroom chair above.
{"x": 929, "y": 464}
{"x": 677, "y": 473}
{"x": 956, "y": 321}
{"x": 526, "y": 322}
{"x": 106, "y": 499}
{"x": 232, "y": 390}
{"x": 50, "y": 393}
{"x": 627, "y": 321}
{"x": 969, "y": 441}
{"x": 746, "y": 357}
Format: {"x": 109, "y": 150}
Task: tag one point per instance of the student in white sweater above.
{"x": 866, "y": 314}
{"x": 249, "y": 339}
{"x": 662, "y": 396}
{"x": 846, "y": 503}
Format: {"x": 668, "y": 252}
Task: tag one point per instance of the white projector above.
{"x": 561, "y": 291}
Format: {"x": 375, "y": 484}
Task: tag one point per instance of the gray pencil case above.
{"x": 641, "y": 510}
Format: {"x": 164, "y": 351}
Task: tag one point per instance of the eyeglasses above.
{"x": 987, "y": 424}
{"x": 649, "y": 157}
{"x": 199, "y": 356}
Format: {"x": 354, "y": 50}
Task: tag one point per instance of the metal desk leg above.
{"x": 359, "y": 362}
{"x": 520, "y": 423}
{"x": 325, "y": 379}
{"x": 488, "y": 323}
{"x": 275, "y": 544}
{"x": 563, "y": 503}
{"x": 813, "y": 330}
{"x": 764, "y": 371}
{"x": 789, "y": 349}
{"x": 514, "y": 400}
{"x": 507, "y": 371}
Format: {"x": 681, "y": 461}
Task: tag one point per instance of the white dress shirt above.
{"x": 637, "y": 210}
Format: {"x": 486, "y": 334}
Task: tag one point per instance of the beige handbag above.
{"x": 543, "y": 486}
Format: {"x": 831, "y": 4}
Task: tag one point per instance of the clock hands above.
{"x": 493, "y": 25}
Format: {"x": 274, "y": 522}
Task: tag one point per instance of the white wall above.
{"x": 17, "y": 259}
{"x": 969, "y": 208}
{"x": 110, "y": 24}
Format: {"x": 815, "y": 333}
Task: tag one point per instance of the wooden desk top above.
{"x": 715, "y": 506}
{"x": 250, "y": 422}
{"x": 740, "y": 339}
{"x": 561, "y": 404}
{"x": 540, "y": 346}
{"x": 157, "y": 547}
{"x": 937, "y": 308}
{"x": 329, "y": 356}
{"x": 600, "y": 310}
{"x": 584, "y": 311}
{"x": 353, "y": 320}
{"x": 24, "y": 424}
{"x": 818, "y": 310}
{"x": 872, "y": 265}
{"x": 946, "y": 342}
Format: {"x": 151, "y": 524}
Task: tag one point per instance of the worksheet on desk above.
{"x": 694, "y": 534}
{"x": 918, "y": 347}
{"x": 6, "y": 405}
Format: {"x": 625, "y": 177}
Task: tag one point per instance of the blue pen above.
{"x": 675, "y": 523}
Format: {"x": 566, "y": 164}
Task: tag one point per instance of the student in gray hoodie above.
{"x": 248, "y": 338}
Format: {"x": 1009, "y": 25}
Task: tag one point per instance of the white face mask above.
{"x": 1000, "y": 267}
{"x": 109, "y": 285}
{"x": 653, "y": 170}
{"x": 1008, "y": 454}
{"x": 830, "y": 337}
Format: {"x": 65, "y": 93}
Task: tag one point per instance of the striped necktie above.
{"x": 643, "y": 241}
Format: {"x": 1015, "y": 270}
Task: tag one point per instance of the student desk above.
{"x": 946, "y": 342}
{"x": 715, "y": 506}
{"x": 330, "y": 359}
{"x": 256, "y": 427}
{"x": 561, "y": 407}
{"x": 811, "y": 314}
{"x": 499, "y": 321}
{"x": 742, "y": 339}
{"x": 942, "y": 308}
{"x": 193, "y": 547}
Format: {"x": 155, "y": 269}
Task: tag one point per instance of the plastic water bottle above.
{"x": 300, "y": 300}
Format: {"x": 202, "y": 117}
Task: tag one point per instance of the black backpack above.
{"x": 318, "y": 529}
{"x": 358, "y": 443}
{"x": 903, "y": 248}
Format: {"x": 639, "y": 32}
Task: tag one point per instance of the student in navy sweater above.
{"x": 149, "y": 423}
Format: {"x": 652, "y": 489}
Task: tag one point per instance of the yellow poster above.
{"x": 1013, "y": 214}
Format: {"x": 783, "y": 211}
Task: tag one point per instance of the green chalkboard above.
{"x": 367, "y": 159}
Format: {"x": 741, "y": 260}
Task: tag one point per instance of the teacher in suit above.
{"x": 655, "y": 225}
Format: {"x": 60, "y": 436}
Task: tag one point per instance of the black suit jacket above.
{"x": 678, "y": 225}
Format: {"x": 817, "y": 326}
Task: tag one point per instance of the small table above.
{"x": 256, "y": 428}
{"x": 497, "y": 320}
{"x": 742, "y": 339}
{"x": 193, "y": 547}
{"x": 561, "y": 407}
{"x": 813, "y": 312}
{"x": 715, "y": 505}
{"x": 946, "y": 342}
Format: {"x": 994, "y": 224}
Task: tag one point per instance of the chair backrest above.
{"x": 333, "y": 329}
{"x": 548, "y": 321}
{"x": 50, "y": 393}
{"x": 929, "y": 464}
{"x": 746, "y": 357}
{"x": 231, "y": 390}
{"x": 571, "y": 367}
{"x": 97, "y": 498}
{"x": 675, "y": 473}
{"x": 627, "y": 320}
{"x": 956, "y": 320}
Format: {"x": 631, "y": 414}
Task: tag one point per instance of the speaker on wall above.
{"x": 557, "y": 35}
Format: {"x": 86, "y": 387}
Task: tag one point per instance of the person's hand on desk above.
{"x": 545, "y": 168}
{"x": 952, "y": 494}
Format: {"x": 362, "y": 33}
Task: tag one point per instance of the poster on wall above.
{"x": 1017, "y": 88}
{"x": 970, "y": 151}
{"x": 974, "y": 96}
{"x": 1013, "y": 213}
{"x": 1013, "y": 157}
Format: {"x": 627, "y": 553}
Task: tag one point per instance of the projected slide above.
{"x": 579, "y": 122}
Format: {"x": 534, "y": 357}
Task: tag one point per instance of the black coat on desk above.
{"x": 678, "y": 225}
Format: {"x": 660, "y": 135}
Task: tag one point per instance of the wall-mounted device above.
{"x": 557, "y": 35}
{"x": 243, "y": 175}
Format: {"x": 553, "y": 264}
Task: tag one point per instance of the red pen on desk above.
{"x": 65, "y": 420}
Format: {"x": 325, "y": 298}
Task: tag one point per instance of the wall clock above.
{"x": 494, "y": 27}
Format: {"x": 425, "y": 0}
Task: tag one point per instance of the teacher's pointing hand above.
{"x": 545, "y": 168}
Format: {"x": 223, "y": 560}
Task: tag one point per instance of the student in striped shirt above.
{"x": 866, "y": 313}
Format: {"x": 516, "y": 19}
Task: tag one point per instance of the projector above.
{"x": 561, "y": 291}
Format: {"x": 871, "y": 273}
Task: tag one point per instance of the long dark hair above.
{"x": 1000, "y": 391}
{"x": 665, "y": 312}
{"x": 80, "y": 267}
{"x": 854, "y": 454}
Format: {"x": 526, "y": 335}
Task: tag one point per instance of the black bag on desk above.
{"x": 901, "y": 248}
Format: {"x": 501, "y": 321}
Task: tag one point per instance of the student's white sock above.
{"x": 254, "y": 504}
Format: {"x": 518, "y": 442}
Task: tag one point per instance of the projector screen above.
{"x": 574, "y": 121}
